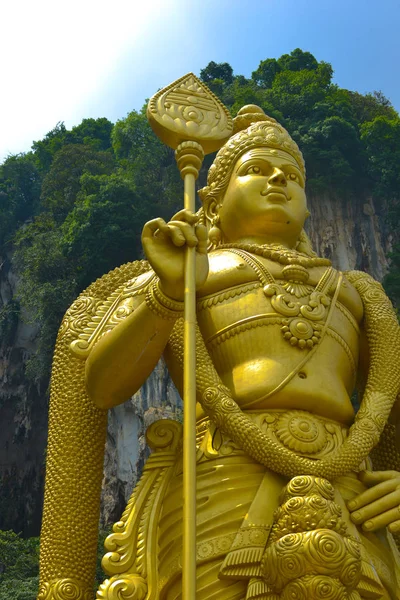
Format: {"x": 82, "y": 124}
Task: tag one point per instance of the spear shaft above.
{"x": 189, "y": 413}
{"x": 187, "y": 116}
{"x": 189, "y": 157}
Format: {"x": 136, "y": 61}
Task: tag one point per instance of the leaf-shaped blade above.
{"x": 187, "y": 110}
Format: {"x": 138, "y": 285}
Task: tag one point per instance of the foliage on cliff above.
{"x": 19, "y": 566}
{"x": 73, "y": 207}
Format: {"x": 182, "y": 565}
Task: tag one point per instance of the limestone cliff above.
{"x": 352, "y": 234}
{"x": 23, "y": 415}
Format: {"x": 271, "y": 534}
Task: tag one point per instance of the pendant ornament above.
{"x": 296, "y": 277}
{"x": 303, "y": 328}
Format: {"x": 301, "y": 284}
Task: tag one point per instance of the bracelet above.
{"x": 160, "y": 304}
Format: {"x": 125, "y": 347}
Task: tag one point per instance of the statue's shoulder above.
{"x": 360, "y": 279}
{"x": 226, "y": 269}
{"x": 371, "y": 292}
{"x": 132, "y": 274}
{"x": 102, "y": 305}
{"x": 366, "y": 286}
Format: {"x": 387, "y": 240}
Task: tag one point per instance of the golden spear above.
{"x": 189, "y": 118}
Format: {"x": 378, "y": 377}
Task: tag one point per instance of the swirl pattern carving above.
{"x": 128, "y": 587}
{"x": 64, "y": 589}
{"x": 309, "y": 553}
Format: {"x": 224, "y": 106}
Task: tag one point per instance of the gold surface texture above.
{"x": 279, "y": 491}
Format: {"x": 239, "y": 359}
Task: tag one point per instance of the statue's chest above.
{"x": 251, "y": 305}
{"x": 247, "y": 296}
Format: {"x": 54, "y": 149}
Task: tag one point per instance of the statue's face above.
{"x": 265, "y": 200}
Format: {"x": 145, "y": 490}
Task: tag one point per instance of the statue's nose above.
{"x": 278, "y": 177}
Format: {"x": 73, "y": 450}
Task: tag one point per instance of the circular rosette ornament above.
{"x": 295, "y": 590}
{"x": 326, "y": 551}
{"x": 326, "y": 588}
{"x": 284, "y": 560}
{"x": 301, "y": 332}
{"x": 67, "y": 589}
{"x": 301, "y": 432}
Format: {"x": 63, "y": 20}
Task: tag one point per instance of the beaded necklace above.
{"x": 285, "y": 256}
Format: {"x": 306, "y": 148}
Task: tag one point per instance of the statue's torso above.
{"x": 242, "y": 328}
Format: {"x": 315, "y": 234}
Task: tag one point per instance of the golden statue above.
{"x": 294, "y": 495}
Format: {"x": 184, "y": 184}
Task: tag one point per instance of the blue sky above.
{"x": 64, "y": 61}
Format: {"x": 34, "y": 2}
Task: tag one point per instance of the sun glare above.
{"x": 55, "y": 55}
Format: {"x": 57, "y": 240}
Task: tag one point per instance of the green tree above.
{"x": 19, "y": 567}
{"x": 45, "y": 149}
{"x": 92, "y": 132}
{"x": 381, "y": 139}
{"x": 62, "y": 182}
{"x": 265, "y": 74}
{"x": 150, "y": 164}
{"x": 391, "y": 281}
{"x": 20, "y": 185}
{"x": 213, "y": 70}
{"x": 48, "y": 286}
{"x": 103, "y": 230}
{"x": 297, "y": 60}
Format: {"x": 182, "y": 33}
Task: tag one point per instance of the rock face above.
{"x": 352, "y": 234}
{"x": 23, "y": 415}
{"x": 126, "y": 449}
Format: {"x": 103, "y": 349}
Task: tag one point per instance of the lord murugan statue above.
{"x": 297, "y": 496}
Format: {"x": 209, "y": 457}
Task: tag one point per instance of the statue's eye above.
{"x": 293, "y": 177}
{"x": 253, "y": 170}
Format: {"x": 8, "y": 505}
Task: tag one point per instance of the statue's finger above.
{"x": 394, "y": 527}
{"x": 201, "y": 232}
{"x": 372, "y": 494}
{"x": 374, "y": 477}
{"x": 376, "y": 508}
{"x": 176, "y": 235}
{"x": 187, "y": 231}
{"x": 187, "y": 216}
{"x": 382, "y": 520}
{"x": 152, "y": 226}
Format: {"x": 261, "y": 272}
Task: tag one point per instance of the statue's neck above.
{"x": 270, "y": 240}
{"x": 278, "y": 253}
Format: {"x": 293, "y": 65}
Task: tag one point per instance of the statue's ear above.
{"x": 210, "y": 209}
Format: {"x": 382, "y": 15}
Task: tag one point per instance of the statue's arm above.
{"x": 379, "y": 505}
{"x": 122, "y": 360}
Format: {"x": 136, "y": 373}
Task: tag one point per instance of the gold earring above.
{"x": 215, "y": 234}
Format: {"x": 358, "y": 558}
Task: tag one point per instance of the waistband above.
{"x": 306, "y": 434}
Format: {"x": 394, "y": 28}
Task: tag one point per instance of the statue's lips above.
{"x": 275, "y": 195}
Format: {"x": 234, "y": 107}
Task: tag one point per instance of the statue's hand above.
{"x": 164, "y": 245}
{"x": 380, "y": 505}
